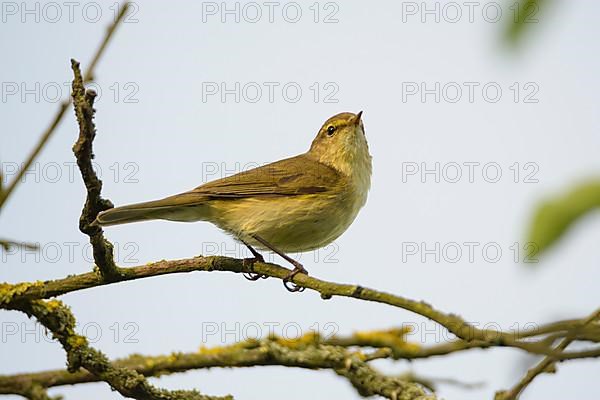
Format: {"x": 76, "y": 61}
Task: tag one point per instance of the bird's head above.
{"x": 341, "y": 144}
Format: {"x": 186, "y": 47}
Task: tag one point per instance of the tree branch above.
{"x": 473, "y": 336}
{"x": 83, "y": 102}
{"x": 546, "y": 365}
{"x": 306, "y": 352}
{"x": 57, "y": 318}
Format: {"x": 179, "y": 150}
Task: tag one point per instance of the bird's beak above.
{"x": 357, "y": 120}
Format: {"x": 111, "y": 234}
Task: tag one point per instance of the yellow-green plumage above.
{"x": 297, "y": 204}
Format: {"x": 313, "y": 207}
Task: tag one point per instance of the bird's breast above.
{"x": 291, "y": 223}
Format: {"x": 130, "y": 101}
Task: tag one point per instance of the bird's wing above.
{"x": 294, "y": 176}
{"x": 290, "y": 177}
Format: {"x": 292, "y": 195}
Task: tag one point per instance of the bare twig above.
{"x": 9, "y": 244}
{"x": 83, "y": 102}
{"x": 7, "y": 191}
{"x": 432, "y": 383}
{"x": 546, "y": 365}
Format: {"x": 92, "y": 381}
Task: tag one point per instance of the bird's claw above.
{"x": 292, "y": 287}
{"x": 253, "y": 276}
{"x": 287, "y": 281}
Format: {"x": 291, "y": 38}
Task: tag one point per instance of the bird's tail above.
{"x": 183, "y": 207}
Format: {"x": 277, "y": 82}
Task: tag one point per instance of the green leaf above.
{"x": 554, "y": 217}
{"x": 523, "y": 15}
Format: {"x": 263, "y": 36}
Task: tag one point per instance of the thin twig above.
{"x": 89, "y": 74}
{"x": 432, "y": 383}
{"x": 545, "y": 365}
{"x": 9, "y": 244}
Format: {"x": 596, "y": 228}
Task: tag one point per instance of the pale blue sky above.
{"x": 172, "y": 139}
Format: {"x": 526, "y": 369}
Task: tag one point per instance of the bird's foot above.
{"x": 287, "y": 281}
{"x": 252, "y": 276}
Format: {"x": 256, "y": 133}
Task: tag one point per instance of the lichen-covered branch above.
{"x": 58, "y": 319}
{"x": 308, "y": 352}
{"x": 470, "y": 336}
{"x": 467, "y": 333}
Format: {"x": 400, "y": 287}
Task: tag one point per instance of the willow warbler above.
{"x": 297, "y": 204}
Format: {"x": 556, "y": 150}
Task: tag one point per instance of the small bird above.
{"x": 293, "y": 205}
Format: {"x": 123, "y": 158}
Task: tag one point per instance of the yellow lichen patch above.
{"x": 149, "y": 363}
{"x": 216, "y": 350}
{"x": 411, "y": 346}
{"x": 173, "y": 357}
{"x": 53, "y": 304}
{"x": 390, "y": 334}
{"x": 9, "y": 291}
{"x": 391, "y": 338}
{"x": 309, "y": 338}
{"x": 168, "y": 359}
{"x": 159, "y": 363}
{"x": 76, "y": 341}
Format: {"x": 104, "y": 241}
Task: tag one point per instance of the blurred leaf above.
{"x": 554, "y": 217}
{"x": 523, "y": 15}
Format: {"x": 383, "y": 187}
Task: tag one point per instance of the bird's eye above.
{"x": 330, "y": 130}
